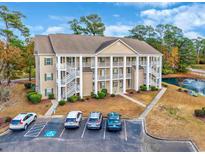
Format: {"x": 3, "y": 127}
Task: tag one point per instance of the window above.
{"x": 102, "y": 85}
{"x": 48, "y": 61}
{"x": 48, "y": 91}
{"x": 115, "y": 70}
{"x": 48, "y": 76}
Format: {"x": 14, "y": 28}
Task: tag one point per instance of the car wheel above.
{"x": 35, "y": 118}
{"x": 25, "y": 127}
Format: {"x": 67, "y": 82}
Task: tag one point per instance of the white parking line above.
{"x": 62, "y": 132}
{"x": 30, "y": 132}
{"x": 125, "y": 130}
{"x": 84, "y": 130}
{"x": 104, "y": 131}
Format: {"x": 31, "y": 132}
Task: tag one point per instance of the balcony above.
{"x": 103, "y": 64}
{"x": 88, "y": 64}
{"x": 104, "y": 77}
{"x": 130, "y": 63}
{"x": 118, "y": 64}
{"x": 128, "y": 76}
{"x": 117, "y": 76}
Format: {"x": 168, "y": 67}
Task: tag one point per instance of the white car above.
{"x": 73, "y": 119}
{"x": 22, "y": 121}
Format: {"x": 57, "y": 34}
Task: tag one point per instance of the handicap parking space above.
{"x": 53, "y": 128}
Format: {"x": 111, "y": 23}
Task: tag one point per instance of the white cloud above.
{"x": 147, "y": 4}
{"x": 118, "y": 30}
{"x": 60, "y": 18}
{"x": 35, "y": 28}
{"x": 116, "y": 15}
{"x": 192, "y": 35}
{"x": 186, "y": 17}
{"x": 54, "y": 30}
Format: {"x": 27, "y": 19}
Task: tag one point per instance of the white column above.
{"x": 96, "y": 75}
{"x": 76, "y": 69}
{"x": 124, "y": 74}
{"x": 137, "y": 74}
{"x": 59, "y": 78}
{"x": 160, "y": 72}
{"x": 111, "y": 73}
{"x": 147, "y": 73}
{"x": 81, "y": 77}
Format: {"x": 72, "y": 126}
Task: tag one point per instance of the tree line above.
{"x": 16, "y": 54}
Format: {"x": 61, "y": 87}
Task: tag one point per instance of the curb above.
{"x": 194, "y": 146}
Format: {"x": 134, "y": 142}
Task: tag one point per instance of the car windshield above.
{"x": 14, "y": 122}
{"x": 70, "y": 120}
{"x": 93, "y": 119}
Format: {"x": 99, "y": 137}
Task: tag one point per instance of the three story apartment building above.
{"x": 69, "y": 65}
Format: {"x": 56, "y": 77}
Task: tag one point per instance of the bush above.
{"x": 51, "y": 96}
{"x": 199, "y": 113}
{"x": 7, "y": 119}
{"x": 61, "y": 102}
{"x": 29, "y": 94}
{"x": 35, "y": 98}
{"x": 112, "y": 95}
{"x": 203, "y": 108}
{"x": 101, "y": 95}
{"x": 27, "y": 85}
{"x": 74, "y": 98}
{"x": 143, "y": 87}
{"x": 82, "y": 100}
{"x": 186, "y": 91}
{"x": 180, "y": 89}
{"x": 104, "y": 91}
{"x": 92, "y": 95}
{"x": 153, "y": 88}
{"x": 97, "y": 97}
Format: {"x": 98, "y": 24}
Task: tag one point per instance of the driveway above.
{"x": 50, "y": 135}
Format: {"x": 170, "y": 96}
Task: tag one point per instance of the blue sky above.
{"x": 46, "y": 18}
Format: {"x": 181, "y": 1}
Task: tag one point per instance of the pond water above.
{"x": 196, "y": 85}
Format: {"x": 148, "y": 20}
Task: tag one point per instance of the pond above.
{"x": 196, "y": 85}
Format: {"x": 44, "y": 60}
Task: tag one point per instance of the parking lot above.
{"x": 48, "y": 134}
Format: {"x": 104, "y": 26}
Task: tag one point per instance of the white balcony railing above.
{"x": 117, "y": 76}
{"x": 104, "y": 77}
{"x": 103, "y": 64}
{"x": 118, "y": 64}
{"x": 128, "y": 76}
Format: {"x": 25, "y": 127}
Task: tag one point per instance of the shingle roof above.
{"x": 83, "y": 44}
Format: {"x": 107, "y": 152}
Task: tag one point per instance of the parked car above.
{"x": 22, "y": 121}
{"x": 73, "y": 119}
{"x": 114, "y": 122}
{"x": 95, "y": 120}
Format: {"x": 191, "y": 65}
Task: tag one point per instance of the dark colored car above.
{"x": 114, "y": 122}
{"x": 95, "y": 120}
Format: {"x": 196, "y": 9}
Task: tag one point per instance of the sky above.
{"x": 119, "y": 18}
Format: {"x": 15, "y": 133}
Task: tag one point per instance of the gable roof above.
{"x": 83, "y": 44}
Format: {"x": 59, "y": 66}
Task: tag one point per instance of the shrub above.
{"x": 199, "y": 113}
{"x": 104, "y": 91}
{"x": 61, "y": 102}
{"x": 27, "y": 85}
{"x": 101, "y": 95}
{"x": 186, "y": 91}
{"x": 203, "y": 108}
{"x": 29, "y": 94}
{"x": 7, "y": 119}
{"x": 92, "y": 95}
{"x": 82, "y": 100}
{"x": 87, "y": 98}
{"x": 74, "y": 98}
{"x": 112, "y": 95}
{"x": 35, "y": 98}
{"x": 143, "y": 87}
{"x": 180, "y": 89}
{"x": 153, "y": 88}
{"x": 97, "y": 97}
{"x": 51, "y": 96}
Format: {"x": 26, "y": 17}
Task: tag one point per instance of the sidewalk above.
{"x": 133, "y": 100}
{"x": 52, "y": 108}
{"x": 153, "y": 103}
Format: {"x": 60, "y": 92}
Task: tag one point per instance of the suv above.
{"x": 73, "y": 119}
{"x": 95, "y": 120}
{"x": 22, "y": 121}
{"x": 114, "y": 122}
